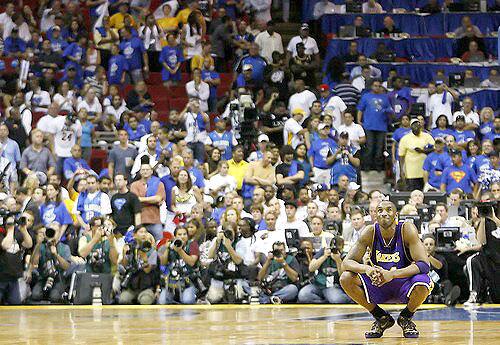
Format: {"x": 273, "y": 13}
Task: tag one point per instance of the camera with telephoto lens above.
{"x": 177, "y": 243}
{"x": 50, "y": 234}
{"x": 485, "y": 208}
{"x": 134, "y": 265}
{"x": 145, "y": 246}
{"x": 333, "y": 245}
{"x": 51, "y": 274}
{"x": 97, "y": 260}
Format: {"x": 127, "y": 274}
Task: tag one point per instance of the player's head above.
{"x": 386, "y": 213}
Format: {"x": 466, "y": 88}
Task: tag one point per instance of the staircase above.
{"x": 371, "y": 180}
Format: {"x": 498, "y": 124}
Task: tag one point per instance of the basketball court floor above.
{"x": 228, "y": 324}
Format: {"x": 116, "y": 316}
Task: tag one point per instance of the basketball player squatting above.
{"x": 397, "y": 271}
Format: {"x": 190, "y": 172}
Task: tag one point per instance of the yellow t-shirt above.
{"x": 413, "y": 160}
{"x": 117, "y": 21}
{"x": 238, "y": 171}
{"x": 183, "y": 15}
{"x": 168, "y": 23}
{"x": 198, "y": 60}
{"x": 69, "y": 206}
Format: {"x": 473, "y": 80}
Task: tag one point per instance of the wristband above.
{"x": 423, "y": 267}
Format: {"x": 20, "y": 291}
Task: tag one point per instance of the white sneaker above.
{"x": 472, "y": 301}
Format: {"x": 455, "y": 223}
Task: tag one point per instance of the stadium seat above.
{"x": 178, "y": 103}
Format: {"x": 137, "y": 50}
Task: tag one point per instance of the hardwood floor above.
{"x": 227, "y": 324}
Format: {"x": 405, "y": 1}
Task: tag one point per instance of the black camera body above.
{"x": 485, "y": 208}
{"x": 277, "y": 253}
{"x": 177, "y": 243}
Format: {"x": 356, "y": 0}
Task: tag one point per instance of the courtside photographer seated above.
{"x": 51, "y": 259}
{"x": 179, "y": 258}
{"x": 327, "y": 268}
{"x": 279, "y": 276}
{"x": 98, "y": 247}
{"x": 14, "y": 240}
{"x": 483, "y": 267}
{"x": 140, "y": 275}
{"x": 225, "y": 270}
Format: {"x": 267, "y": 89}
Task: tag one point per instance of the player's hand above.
{"x": 384, "y": 277}
{"x": 373, "y": 273}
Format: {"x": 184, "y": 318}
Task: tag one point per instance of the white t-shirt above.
{"x": 302, "y": 100}
{"x": 266, "y": 239}
{"x": 66, "y": 103}
{"x": 65, "y": 137}
{"x": 105, "y": 203}
{"x": 193, "y": 131}
{"x": 359, "y": 83}
{"x": 290, "y": 133}
{"x": 309, "y": 43}
{"x": 117, "y": 113}
{"x": 355, "y": 132}
{"x": 218, "y": 181}
{"x": 471, "y": 117}
{"x": 39, "y": 101}
{"x": 47, "y": 124}
{"x": 436, "y": 107}
{"x": 246, "y": 248}
{"x": 296, "y": 224}
{"x": 335, "y": 107}
{"x": 94, "y": 108}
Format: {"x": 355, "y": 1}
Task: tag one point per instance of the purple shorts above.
{"x": 396, "y": 291}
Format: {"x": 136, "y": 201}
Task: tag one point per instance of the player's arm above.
{"x": 417, "y": 252}
{"x": 353, "y": 262}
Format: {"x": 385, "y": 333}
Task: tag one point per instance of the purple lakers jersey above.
{"x": 391, "y": 255}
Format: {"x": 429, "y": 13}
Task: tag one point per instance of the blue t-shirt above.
{"x": 224, "y": 142}
{"x": 71, "y": 165}
{"x": 51, "y": 212}
{"x": 436, "y": 162}
{"x": 397, "y": 136}
{"x": 400, "y": 101}
{"x": 133, "y": 49}
{"x": 86, "y": 138}
{"x": 479, "y": 164}
{"x": 58, "y": 45}
{"x": 135, "y": 135}
{"x": 75, "y": 51}
{"x": 491, "y": 136}
{"x": 320, "y": 149}
{"x": 116, "y": 66}
{"x": 14, "y": 45}
{"x": 342, "y": 166}
{"x": 376, "y": 109}
{"x": 210, "y": 75}
{"x": 197, "y": 177}
{"x": 485, "y": 128}
{"x": 455, "y": 177}
{"x": 463, "y": 136}
{"x": 441, "y": 133}
{"x": 171, "y": 56}
{"x": 258, "y": 64}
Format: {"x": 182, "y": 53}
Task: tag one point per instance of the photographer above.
{"x": 327, "y": 265}
{"x": 51, "y": 259}
{"x": 13, "y": 241}
{"x": 278, "y": 275}
{"x": 224, "y": 271}
{"x": 98, "y": 247}
{"x": 483, "y": 267}
{"x": 140, "y": 261}
{"x": 181, "y": 258}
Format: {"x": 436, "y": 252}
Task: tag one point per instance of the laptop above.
{"x": 446, "y": 238}
{"x": 347, "y": 31}
{"x": 413, "y": 219}
{"x": 417, "y": 109}
{"x": 472, "y": 82}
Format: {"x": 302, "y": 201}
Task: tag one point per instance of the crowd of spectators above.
{"x": 253, "y": 187}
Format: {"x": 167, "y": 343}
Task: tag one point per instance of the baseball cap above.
{"x": 262, "y": 137}
{"x": 353, "y": 186}
{"x": 323, "y": 87}
{"x": 298, "y": 111}
{"x": 321, "y": 188}
{"x": 439, "y": 140}
{"x": 247, "y": 67}
{"x": 454, "y": 152}
{"x": 460, "y": 117}
{"x": 291, "y": 203}
{"x": 304, "y": 26}
{"x": 323, "y": 125}
{"x": 414, "y": 121}
{"x": 344, "y": 134}
{"x": 56, "y": 27}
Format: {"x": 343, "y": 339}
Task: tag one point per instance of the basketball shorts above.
{"x": 396, "y": 291}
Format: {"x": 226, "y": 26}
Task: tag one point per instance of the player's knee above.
{"x": 347, "y": 279}
{"x": 420, "y": 290}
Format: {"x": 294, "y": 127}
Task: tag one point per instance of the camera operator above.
{"x": 327, "y": 265}
{"x": 98, "y": 247}
{"x": 140, "y": 261}
{"x": 279, "y": 274}
{"x": 13, "y": 241}
{"x": 224, "y": 271}
{"x": 51, "y": 259}
{"x": 181, "y": 258}
{"x": 483, "y": 268}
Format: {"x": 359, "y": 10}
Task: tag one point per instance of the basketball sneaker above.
{"x": 379, "y": 326}
{"x": 408, "y": 326}
{"x": 472, "y": 301}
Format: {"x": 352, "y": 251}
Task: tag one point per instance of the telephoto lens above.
{"x": 177, "y": 243}
{"x": 228, "y": 234}
{"x": 277, "y": 253}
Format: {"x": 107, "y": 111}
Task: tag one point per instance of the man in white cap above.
{"x": 293, "y": 133}
{"x": 309, "y": 43}
{"x": 321, "y": 155}
{"x": 263, "y": 140}
{"x": 413, "y": 149}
